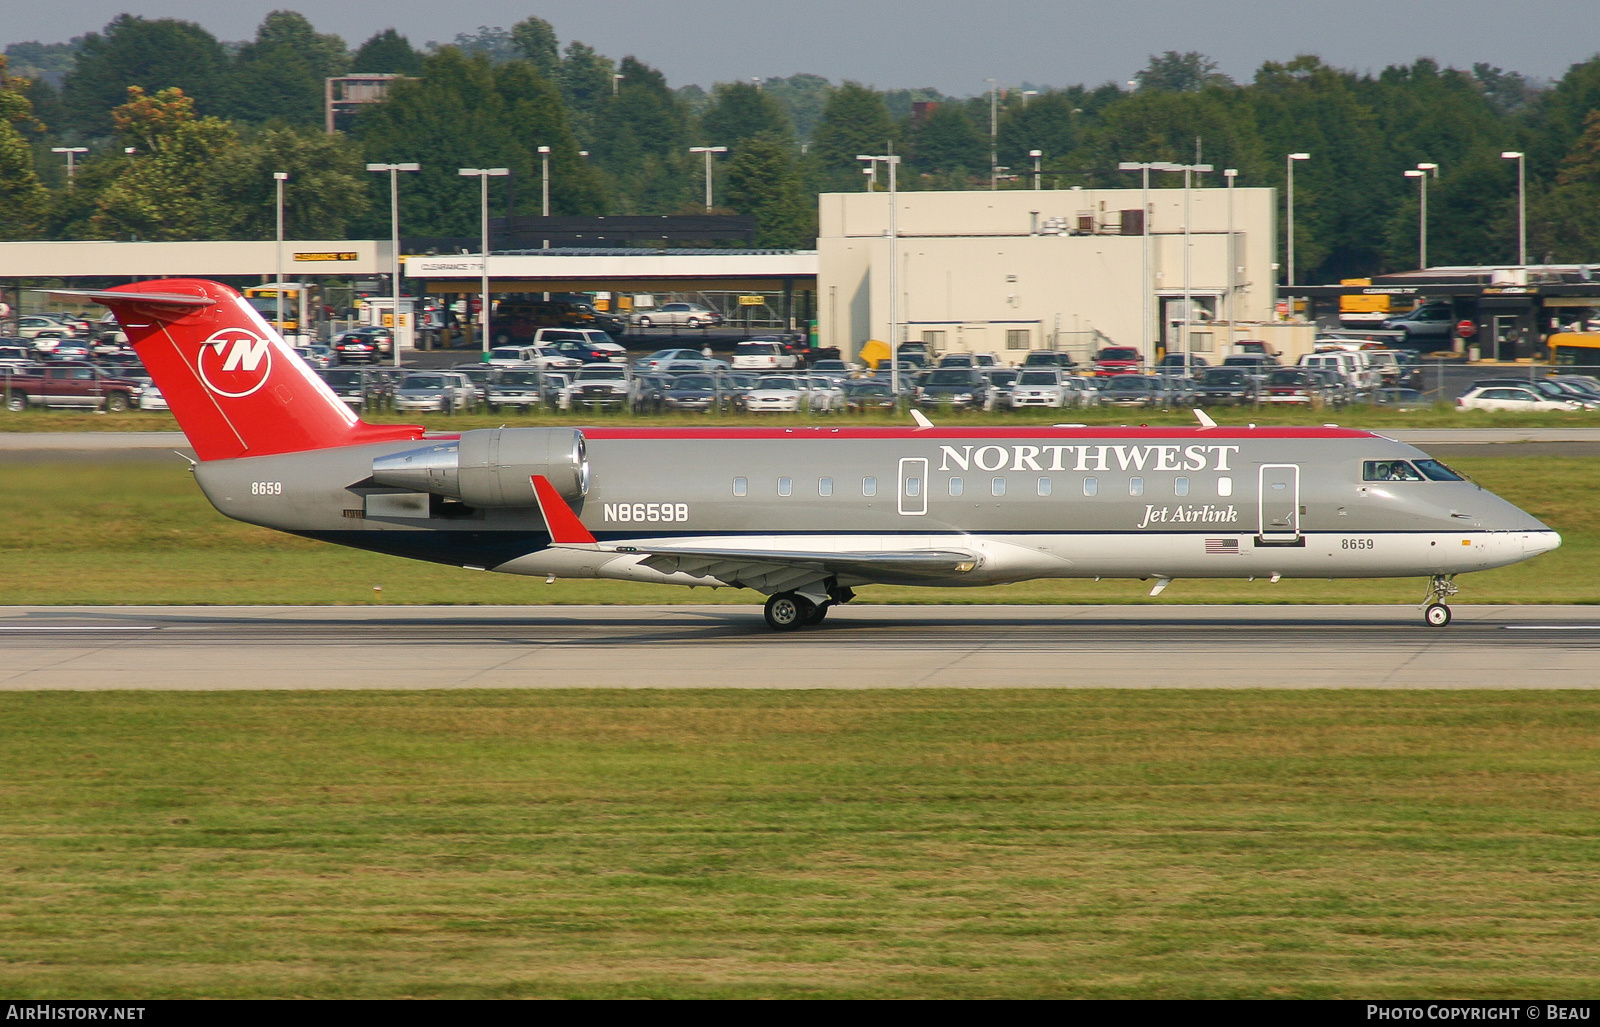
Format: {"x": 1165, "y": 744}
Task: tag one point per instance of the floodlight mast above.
{"x": 394, "y": 242}
{"x": 894, "y": 268}
{"x": 483, "y": 175}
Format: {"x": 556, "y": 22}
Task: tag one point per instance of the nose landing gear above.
{"x": 1435, "y": 613}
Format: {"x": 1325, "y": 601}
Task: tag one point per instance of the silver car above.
{"x": 690, "y": 315}
{"x": 443, "y": 392}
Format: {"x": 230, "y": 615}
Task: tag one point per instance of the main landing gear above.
{"x": 787, "y": 611}
{"x": 1435, "y": 612}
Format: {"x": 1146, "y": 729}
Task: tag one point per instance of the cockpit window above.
{"x": 1390, "y": 470}
{"x": 1437, "y": 471}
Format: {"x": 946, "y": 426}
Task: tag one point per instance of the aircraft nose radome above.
{"x": 1535, "y": 543}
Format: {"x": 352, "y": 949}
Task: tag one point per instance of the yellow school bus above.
{"x": 1575, "y": 349}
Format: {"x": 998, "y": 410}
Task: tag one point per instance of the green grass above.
{"x": 838, "y": 844}
{"x": 136, "y": 533}
{"x": 1438, "y": 416}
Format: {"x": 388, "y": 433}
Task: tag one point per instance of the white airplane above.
{"x": 805, "y": 515}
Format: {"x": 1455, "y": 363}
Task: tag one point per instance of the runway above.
{"x": 229, "y": 648}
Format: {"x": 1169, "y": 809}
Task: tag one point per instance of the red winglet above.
{"x": 565, "y": 528}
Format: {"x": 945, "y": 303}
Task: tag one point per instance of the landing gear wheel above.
{"x": 1437, "y": 615}
{"x": 818, "y": 613}
{"x": 786, "y": 611}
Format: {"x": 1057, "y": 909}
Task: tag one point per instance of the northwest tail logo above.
{"x": 235, "y": 362}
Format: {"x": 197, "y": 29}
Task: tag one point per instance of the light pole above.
{"x": 394, "y": 242}
{"x": 708, "y": 151}
{"x": 1037, "y": 155}
{"x": 894, "y": 272}
{"x": 1290, "y": 162}
{"x": 483, "y": 175}
{"x": 1232, "y": 175}
{"x": 72, "y": 162}
{"x": 1522, "y": 203}
{"x": 278, "y": 178}
{"x": 1145, "y": 167}
{"x": 994, "y": 133}
{"x": 1188, "y": 301}
{"x": 544, "y": 170}
{"x": 1421, "y": 175}
{"x": 616, "y": 80}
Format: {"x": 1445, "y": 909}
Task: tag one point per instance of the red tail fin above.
{"x": 235, "y": 387}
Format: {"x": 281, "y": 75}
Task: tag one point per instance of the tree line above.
{"x": 183, "y": 133}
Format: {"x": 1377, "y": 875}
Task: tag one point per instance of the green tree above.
{"x": 643, "y": 141}
{"x": 739, "y": 111}
{"x": 492, "y": 42}
{"x": 23, "y": 199}
{"x": 535, "y": 41}
{"x": 152, "y": 55}
{"x": 469, "y": 113}
{"x": 803, "y": 98}
{"x": 387, "y": 53}
{"x": 854, "y": 120}
{"x": 946, "y": 144}
{"x": 1181, "y": 73}
{"x": 763, "y": 181}
{"x": 169, "y": 189}
{"x": 1564, "y": 223}
{"x": 47, "y": 61}
{"x": 326, "y": 192}
{"x": 585, "y": 81}
{"x": 281, "y": 73}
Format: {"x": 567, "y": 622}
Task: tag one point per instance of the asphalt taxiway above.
{"x": 230, "y": 648}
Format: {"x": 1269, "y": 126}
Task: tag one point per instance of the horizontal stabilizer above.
{"x": 166, "y": 299}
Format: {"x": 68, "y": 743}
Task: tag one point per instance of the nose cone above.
{"x": 1535, "y": 543}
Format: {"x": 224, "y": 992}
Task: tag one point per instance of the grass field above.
{"x": 1438, "y": 416}
{"x": 134, "y": 533}
{"x": 840, "y": 844}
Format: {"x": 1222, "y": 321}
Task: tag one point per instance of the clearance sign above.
{"x": 330, "y": 255}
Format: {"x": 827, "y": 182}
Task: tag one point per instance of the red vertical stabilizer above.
{"x": 234, "y": 385}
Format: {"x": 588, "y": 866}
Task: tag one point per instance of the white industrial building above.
{"x": 1014, "y": 270}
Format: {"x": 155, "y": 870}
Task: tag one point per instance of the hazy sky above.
{"x": 950, "y": 45}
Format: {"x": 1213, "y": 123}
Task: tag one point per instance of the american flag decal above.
{"x": 1222, "y": 546}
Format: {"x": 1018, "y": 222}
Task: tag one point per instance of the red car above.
{"x": 1118, "y": 360}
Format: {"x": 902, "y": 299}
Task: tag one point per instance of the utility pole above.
{"x": 394, "y": 242}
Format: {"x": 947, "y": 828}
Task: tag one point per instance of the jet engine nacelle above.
{"x": 492, "y": 467}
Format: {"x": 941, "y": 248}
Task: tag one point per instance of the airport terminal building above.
{"x": 1014, "y": 270}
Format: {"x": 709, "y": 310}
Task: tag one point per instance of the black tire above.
{"x": 643, "y": 322}
{"x": 818, "y": 614}
{"x": 691, "y": 322}
{"x": 786, "y": 611}
{"x": 117, "y": 403}
{"x": 1437, "y": 615}
{"x": 17, "y": 403}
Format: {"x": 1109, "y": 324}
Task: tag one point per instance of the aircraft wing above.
{"x": 779, "y": 570}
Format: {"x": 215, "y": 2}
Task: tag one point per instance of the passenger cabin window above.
{"x": 824, "y": 486}
{"x": 1389, "y": 470}
{"x": 1135, "y": 486}
{"x": 1224, "y": 487}
{"x": 869, "y": 486}
{"x": 913, "y": 486}
{"x": 1091, "y": 486}
{"x": 1180, "y": 486}
{"x": 741, "y": 486}
{"x": 998, "y": 487}
{"x": 956, "y": 485}
{"x": 785, "y": 486}
{"x": 1044, "y": 486}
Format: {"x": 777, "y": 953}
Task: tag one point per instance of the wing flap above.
{"x": 776, "y": 565}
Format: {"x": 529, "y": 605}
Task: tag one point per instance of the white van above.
{"x": 1350, "y": 365}
{"x": 762, "y": 355}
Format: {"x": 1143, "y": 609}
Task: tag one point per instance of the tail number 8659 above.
{"x": 266, "y": 488}
{"x": 1356, "y": 543}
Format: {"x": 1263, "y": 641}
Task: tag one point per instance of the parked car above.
{"x": 701, "y": 392}
{"x": 868, "y": 394}
{"x": 793, "y": 393}
{"x": 69, "y": 349}
{"x": 1039, "y": 386}
{"x": 600, "y": 385}
{"x": 316, "y": 357}
{"x": 1398, "y": 399}
{"x": 1048, "y": 358}
{"x": 1118, "y": 360}
{"x": 953, "y": 386}
{"x": 1225, "y": 386}
{"x": 1175, "y": 362}
{"x": 840, "y": 371}
{"x": 664, "y": 359}
{"x": 357, "y": 387}
{"x": 1548, "y": 388}
{"x": 587, "y": 345}
{"x": 1292, "y": 386}
{"x": 1431, "y": 322}
{"x": 1512, "y": 397}
{"x": 765, "y": 354}
{"x": 1001, "y": 381}
{"x": 1135, "y": 390}
{"x": 480, "y": 375}
{"x": 363, "y": 345}
{"x": 517, "y": 322}
{"x": 689, "y": 315}
{"x": 520, "y": 388}
{"x": 443, "y": 392}
{"x": 78, "y": 386}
